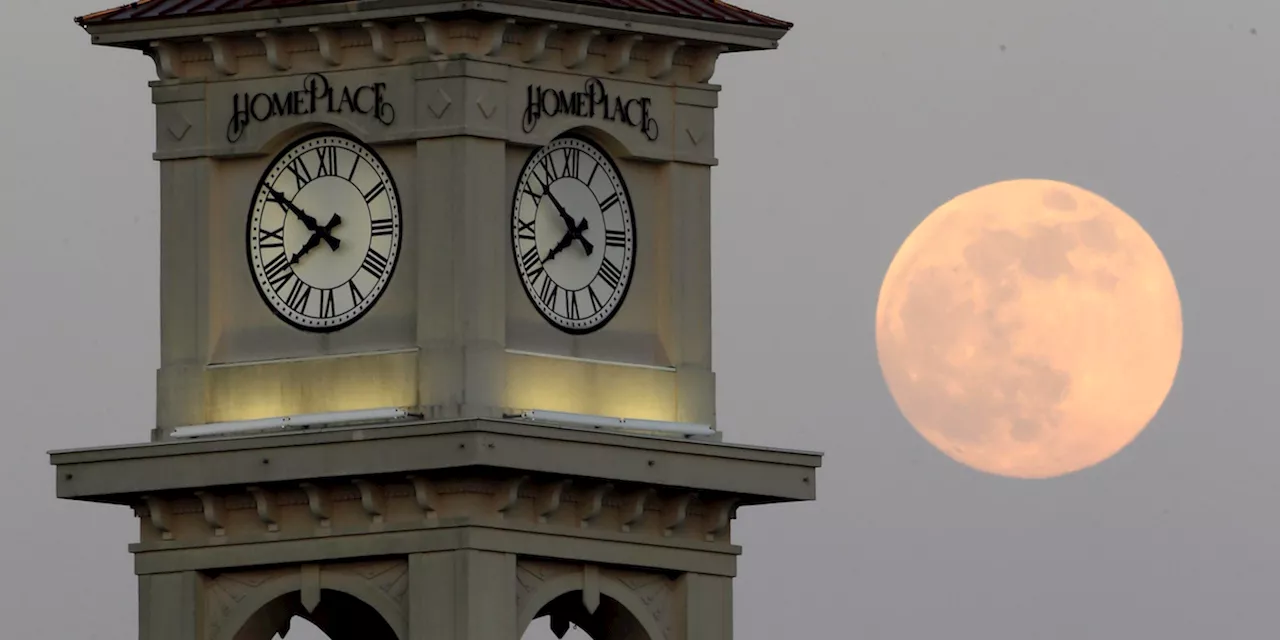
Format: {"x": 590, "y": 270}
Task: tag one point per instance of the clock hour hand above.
{"x": 307, "y": 221}
{"x": 322, "y": 232}
{"x": 574, "y": 229}
{"x": 560, "y": 246}
{"x": 573, "y": 232}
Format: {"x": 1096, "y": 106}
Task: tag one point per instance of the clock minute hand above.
{"x": 314, "y": 240}
{"x": 575, "y": 229}
{"x": 307, "y": 220}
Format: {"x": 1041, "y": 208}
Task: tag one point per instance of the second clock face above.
{"x": 573, "y": 234}
{"x": 324, "y": 232}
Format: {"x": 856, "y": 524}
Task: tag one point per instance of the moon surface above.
{"x": 1029, "y": 328}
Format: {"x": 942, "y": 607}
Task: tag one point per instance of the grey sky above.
{"x": 832, "y": 149}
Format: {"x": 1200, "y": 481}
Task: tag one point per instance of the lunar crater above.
{"x": 1001, "y": 301}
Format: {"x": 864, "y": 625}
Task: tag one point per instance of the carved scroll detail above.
{"x": 632, "y": 511}
{"x": 330, "y": 45}
{"x": 575, "y": 47}
{"x": 549, "y": 499}
{"x": 382, "y": 39}
{"x": 619, "y": 52}
{"x": 427, "y": 497}
{"x": 507, "y": 495}
{"x": 590, "y": 510}
{"x": 265, "y": 501}
{"x": 535, "y": 43}
{"x": 161, "y": 516}
{"x": 318, "y": 503}
{"x": 663, "y": 57}
{"x": 277, "y": 53}
{"x": 215, "y": 512}
{"x": 675, "y": 513}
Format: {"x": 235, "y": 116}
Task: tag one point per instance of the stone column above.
{"x": 462, "y": 595}
{"x": 169, "y": 606}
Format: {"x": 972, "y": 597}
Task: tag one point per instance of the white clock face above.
{"x": 324, "y": 232}
{"x": 573, "y": 234}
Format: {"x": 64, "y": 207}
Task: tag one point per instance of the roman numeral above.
{"x": 328, "y": 161}
{"x": 298, "y": 296}
{"x": 549, "y": 167}
{"x": 374, "y": 263}
{"x": 523, "y": 227}
{"x": 615, "y": 238}
{"x": 381, "y": 227}
{"x": 610, "y": 273}
{"x": 608, "y": 202}
{"x": 595, "y": 302}
{"x": 377, "y": 190}
{"x": 530, "y": 258}
{"x": 537, "y": 197}
{"x": 327, "y": 307}
{"x": 573, "y": 312}
{"x": 548, "y": 293}
{"x": 572, "y": 162}
{"x": 300, "y": 172}
{"x": 271, "y": 239}
{"x": 277, "y": 270}
{"x": 356, "y": 296}
{"x": 595, "y": 166}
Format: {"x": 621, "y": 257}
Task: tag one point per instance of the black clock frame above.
{"x": 635, "y": 232}
{"x": 248, "y": 227}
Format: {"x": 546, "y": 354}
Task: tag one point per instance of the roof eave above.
{"x": 138, "y": 33}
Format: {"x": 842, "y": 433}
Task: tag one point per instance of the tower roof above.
{"x": 711, "y": 10}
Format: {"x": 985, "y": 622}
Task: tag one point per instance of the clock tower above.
{"x": 435, "y": 338}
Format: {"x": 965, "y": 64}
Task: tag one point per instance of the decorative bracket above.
{"x": 675, "y": 513}
{"x": 372, "y": 499}
{"x": 427, "y": 498}
{"x": 330, "y": 45}
{"x": 663, "y": 56}
{"x": 165, "y": 55}
{"x": 575, "y": 47}
{"x": 434, "y": 35}
{"x": 549, "y": 499}
{"x": 224, "y": 55}
{"x": 719, "y": 516}
{"x": 160, "y": 515}
{"x": 318, "y": 503}
{"x": 508, "y": 494}
{"x": 266, "y": 503}
{"x": 594, "y": 504}
{"x": 215, "y": 512}
{"x": 619, "y": 55}
{"x": 384, "y": 44}
{"x": 535, "y": 43}
{"x": 633, "y": 509}
{"x": 491, "y": 38}
{"x": 277, "y": 54}
{"x": 704, "y": 64}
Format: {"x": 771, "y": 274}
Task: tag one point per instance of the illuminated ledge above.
{"x": 126, "y": 474}
{"x": 664, "y": 427}
{"x": 301, "y": 421}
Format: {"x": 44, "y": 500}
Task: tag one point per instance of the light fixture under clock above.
{"x": 330, "y": 419}
{"x": 685, "y": 429}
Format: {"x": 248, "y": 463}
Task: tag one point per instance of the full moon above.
{"x": 1029, "y": 329}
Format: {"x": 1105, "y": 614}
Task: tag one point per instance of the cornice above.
{"x": 735, "y": 37}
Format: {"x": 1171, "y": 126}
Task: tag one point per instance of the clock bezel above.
{"x": 248, "y": 242}
{"x": 631, "y": 212}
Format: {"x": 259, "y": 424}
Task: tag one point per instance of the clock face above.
{"x": 324, "y": 232}
{"x": 573, "y": 234}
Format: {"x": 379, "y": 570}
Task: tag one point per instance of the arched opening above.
{"x": 338, "y": 616}
{"x": 567, "y": 618}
